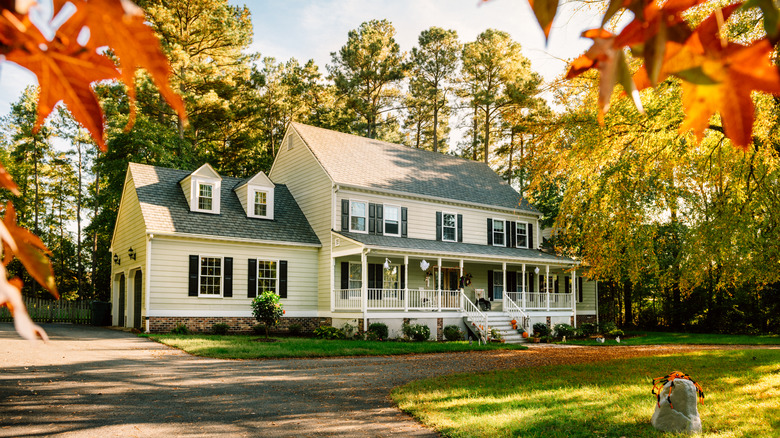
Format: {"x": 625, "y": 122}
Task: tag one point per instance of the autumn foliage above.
{"x": 717, "y": 75}
{"x": 66, "y": 65}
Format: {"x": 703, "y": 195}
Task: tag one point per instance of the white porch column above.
{"x": 503, "y": 281}
{"x": 574, "y": 295}
{"x": 438, "y": 284}
{"x": 547, "y": 284}
{"x": 463, "y": 289}
{"x": 406, "y": 283}
{"x": 522, "y": 295}
{"x": 364, "y": 281}
{"x": 332, "y": 283}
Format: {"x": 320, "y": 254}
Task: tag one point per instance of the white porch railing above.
{"x": 348, "y": 299}
{"x": 540, "y": 300}
{"x": 479, "y": 321}
{"x": 514, "y": 310}
{"x": 385, "y": 299}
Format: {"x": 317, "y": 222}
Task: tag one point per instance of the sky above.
{"x": 312, "y": 29}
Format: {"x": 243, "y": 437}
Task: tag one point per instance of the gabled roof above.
{"x": 453, "y": 249}
{"x": 165, "y": 210}
{"x": 205, "y": 170}
{"x": 259, "y": 179}
{"x": 378, "y": 165}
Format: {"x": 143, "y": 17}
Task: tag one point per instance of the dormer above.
{"x": 257, "y": 196}
{"x": 202, "y": 189}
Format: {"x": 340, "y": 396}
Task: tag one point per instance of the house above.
{"x": 345, "y": 229}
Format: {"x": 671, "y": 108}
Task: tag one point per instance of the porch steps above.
{"x": 502, "y": 323}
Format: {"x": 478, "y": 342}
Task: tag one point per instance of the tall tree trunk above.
{"x": 95, "y": 236}
{"x": 487, "y": 134}
{"x": 436, "y": 124}
{"x": 511, "y": 152}
{"x": 474, "y": 136}
{"x": 37, "y": 203}
{"x": 629, "y": 316}
{"x": 79, "y": 267}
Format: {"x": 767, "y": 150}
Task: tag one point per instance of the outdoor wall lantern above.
{"x": 117, "y": 260}
{"x": 131, "y": 253}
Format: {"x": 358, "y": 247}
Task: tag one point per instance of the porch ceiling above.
{"x": 453, "y": 249}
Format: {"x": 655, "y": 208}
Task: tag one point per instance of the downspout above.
{"x": 148, "y": 277}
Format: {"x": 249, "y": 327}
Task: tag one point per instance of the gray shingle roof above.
{"x": 380, "y": 165}
{"x": 165, "y": 209}
{"x": 453, "y": 248}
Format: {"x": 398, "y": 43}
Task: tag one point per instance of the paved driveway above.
{"x": 95, "y": 382}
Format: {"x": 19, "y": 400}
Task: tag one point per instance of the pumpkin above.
{"x": 513, "y": 322}
{"x": 525, "y": 334}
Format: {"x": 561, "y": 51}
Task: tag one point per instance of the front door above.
{"x": 122, "y": 298}
{"x": 137, "y": 300}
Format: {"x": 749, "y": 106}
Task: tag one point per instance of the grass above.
{"x": 742, "y": 389}
{"x": 661, "y": 338}
{"x": 245, "y": 347}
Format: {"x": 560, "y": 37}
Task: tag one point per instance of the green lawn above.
{"x": 660, "y": 338}
{"x": 613, "y": 399}
{"x": 245, "y": 347}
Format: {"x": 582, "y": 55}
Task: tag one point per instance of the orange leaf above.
{"x": 119, "y": 24}
{"x": 544, "y": 10}
{"x": 8, "y": 182}
{"x": 31, "y": 251}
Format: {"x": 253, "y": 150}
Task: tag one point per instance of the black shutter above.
{"x": 251, "y": 284}
{"x": 345, "y": 215}
{"x": 345, "y": 275}
{"x": 371, "y": 276}
{"x": 282, "y": 278}
{"x": 403, "y": 276}
{"x": 490, "y": 284}
{"x": 555, "y": 285}
{"x": 460, "y": 228}
{"x": 404, "y": 226}
{"x": 530, "y": 236}
{"x": 193, "y": 291}
{"x": 490, "y": 231}
{"x": 512, "y": 234}
{"x": 579, "y": 288}
{"x": 566, "y": 285}
{"x": 380, "y": 224}
{"x": 438, "y": 225}
{"x": 530, "y": 285}
{"x": 542, "y": 285}
{"x": 371, "y": 218}
{"x": 228, "y": 277}
{"x": 511, "y": 281}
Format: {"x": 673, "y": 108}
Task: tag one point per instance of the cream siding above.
{"x": 588, "y": 304}
{"x": 186, "y": 187}
{"x": 422, "y": 216}
{"x": 170, "y": 271}
{"x": 312, "y": 189}
{"x": 129, "y": 232}
{"x": 241, "y": 192}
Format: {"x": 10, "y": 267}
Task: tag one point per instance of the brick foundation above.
{"x": 582, "y": 319}
{"x": 164, "y": 324}
{"x": 439, "y": 329}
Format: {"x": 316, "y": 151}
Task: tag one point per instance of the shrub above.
{"x": 377, "y": 330}
{"x": 220, "y": 328}
{"x": 416, "y": 332}
{"x": 562, "y": 330}
{"x": 495, "y": 335}
{"x": 267, "y": 309}
{"x": 328, "y": 332}
{"x": 180, "y": 329}
{"x": 588, "y": 329}
{"x": 295, "y": 329}
{"x": 606, "y": 327}
{"x": 615, "y": 332}
{"x": 541, "y": 329}
{"x": 350, "y": 331}
{"x": 453, "y": 333}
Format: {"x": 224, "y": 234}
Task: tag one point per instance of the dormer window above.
{"x": 260, "y": 203}
{"x": 257, "y": 196}
{"x": 205, "y": 196}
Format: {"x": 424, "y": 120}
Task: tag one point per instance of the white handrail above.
{"x": 478, "y": 319}
{"x": 511, "y": 307}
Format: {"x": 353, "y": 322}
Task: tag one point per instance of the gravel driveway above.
{"x": 96, "y": 382}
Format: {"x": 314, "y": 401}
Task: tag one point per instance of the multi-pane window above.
{"x": 205, "y": 196}
{"x": 392, "y": 214}
{"x": 449, "y": 227}
{"x": 498, "y": 233}
{"x": 357, "y": 216}
{"x": 261, "y": 203}
{"x": 498, "y": 285}
{"x": 522, "y": 235}
{"x": 266, "y": 276}
{"x": 211, "y": 276}
{"x": 355, "y": 276}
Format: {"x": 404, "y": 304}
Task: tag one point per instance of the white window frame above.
{"x": 221, "y": 275}
{"x": 384, "y": 219}
{"x": 365, "y": 203}
{"x": 455, "y": 216}
{"x": 257, "y": 276}
{"x": 360, "y": 280}
{"x": 216, "y": 186}
{"x": 391, "y": 292}
{"x": 493, "y": 230}
{"x": 517, "y": 231}
{"x": 500, "y": 275}
{"x": 269, "y": 202}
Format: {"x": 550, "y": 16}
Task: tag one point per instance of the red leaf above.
{"x": 31, "y": 252}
